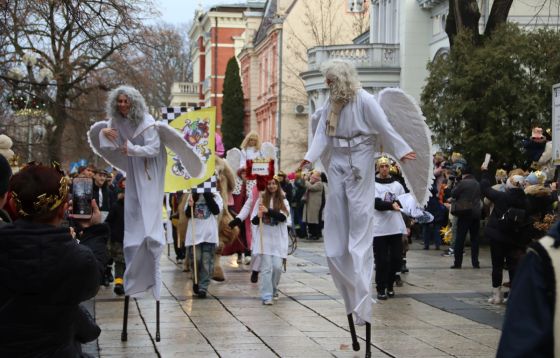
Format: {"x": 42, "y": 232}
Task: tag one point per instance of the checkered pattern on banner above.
{"x": 170, "y": 113}
{"x": 209, "y": 186}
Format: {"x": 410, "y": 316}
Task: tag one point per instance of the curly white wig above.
{"x": 344, "y": 79}
{"x": 137, "y": 104}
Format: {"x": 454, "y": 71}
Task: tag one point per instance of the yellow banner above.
{"x": 199, "y": 130}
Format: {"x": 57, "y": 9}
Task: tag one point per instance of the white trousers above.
{"x": 348, "y": 232}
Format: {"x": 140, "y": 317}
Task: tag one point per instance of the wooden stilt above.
{"x": 124, "y": 334}
{"x": 195, "y": 268}
{"x": 157, "y": 322}
{"x": 355, "y": 343}
{"x": 368, "y": 340}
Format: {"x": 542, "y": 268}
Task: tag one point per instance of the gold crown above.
{"x": 45, "y": 203}
{"x": 383, "y": 161}
{"x": 501, "y": 173}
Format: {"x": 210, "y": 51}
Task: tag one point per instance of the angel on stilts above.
{"x": 352, "y": 127}
{"x": 132, "y": 141}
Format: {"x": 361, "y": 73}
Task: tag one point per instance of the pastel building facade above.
{"x": 276, "y": 101}
{"x": 218, "y": 35}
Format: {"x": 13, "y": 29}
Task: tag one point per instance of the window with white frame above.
{"x": 356, "y": 5}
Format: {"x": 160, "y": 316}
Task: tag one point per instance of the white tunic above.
{"x": 206, "y": 230}
{"x": 143, "y": 226}
{"x": 275, "y": 238}
{"x": 248, "y": 153}
{"x": 349, "y": 207}
{"x": 388, "y": 222}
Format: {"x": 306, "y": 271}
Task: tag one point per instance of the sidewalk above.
{"x": 438, "y": 312}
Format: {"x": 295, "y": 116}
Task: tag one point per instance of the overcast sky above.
{"x": 182, "y": 11}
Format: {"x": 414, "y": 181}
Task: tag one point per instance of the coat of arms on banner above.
{"x": 198, "y": 129}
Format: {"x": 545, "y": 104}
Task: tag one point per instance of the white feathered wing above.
{"x": 115, "y": 158}
{"x": 407, "y": 119}
{"x": 168, "y": 135}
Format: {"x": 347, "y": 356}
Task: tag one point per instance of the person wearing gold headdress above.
{"x": 44, "y": 272}
{"x": 388, "y": 229}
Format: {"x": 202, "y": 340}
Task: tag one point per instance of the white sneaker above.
{"x": 276, "y": 296}
{"x": 497, "y": 296}
{"x": 268, "y": 302}
{"x": 247, "y": 260}
{"x": 233, "y": 261}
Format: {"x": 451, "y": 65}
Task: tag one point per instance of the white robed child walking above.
{"x": 202, "y": 236}
{"x": 270, "y": 238}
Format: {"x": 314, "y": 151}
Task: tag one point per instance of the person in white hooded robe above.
{"x": 132, "y": 133}
{"x": 352, "y": 127}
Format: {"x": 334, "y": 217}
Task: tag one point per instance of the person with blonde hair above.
{"x": 250, "y": 148}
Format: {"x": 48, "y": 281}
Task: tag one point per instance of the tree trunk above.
{"x": 498, "y": 15}
{"x": 463, "y": 15}
{"x": 59, "y": 115}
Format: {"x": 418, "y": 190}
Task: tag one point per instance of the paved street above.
{"x": 438, "y": 312}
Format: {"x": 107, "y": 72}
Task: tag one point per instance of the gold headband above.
{"x": 45, "y": 203}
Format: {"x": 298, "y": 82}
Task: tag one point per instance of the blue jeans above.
{"x": 271, "y": 269}
{"x": 430, "y": 232}
{"x": 204, "y": 264}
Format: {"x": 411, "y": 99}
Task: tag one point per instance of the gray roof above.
{"x": 268, "y": 20}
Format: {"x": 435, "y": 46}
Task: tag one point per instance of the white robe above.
{"x": 349, "y": 207}
{"x": 274, "y": 238}
{"x": 143, "y": 225}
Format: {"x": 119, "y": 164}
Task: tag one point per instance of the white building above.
{"x": 404, "y": 36}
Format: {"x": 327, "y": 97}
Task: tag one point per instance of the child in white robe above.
{"x": 272, "y": 209}
{"x": 206, "y": 208}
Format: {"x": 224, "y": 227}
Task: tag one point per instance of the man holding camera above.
{"x": 44, "y": 272}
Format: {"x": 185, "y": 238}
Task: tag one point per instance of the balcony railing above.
{"x": 369, "y": 55}
{"x": 186, "y": 88}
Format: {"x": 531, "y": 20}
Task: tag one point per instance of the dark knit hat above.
{"x": 5, "y": 175}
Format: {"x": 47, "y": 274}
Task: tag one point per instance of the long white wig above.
{"x": 137, "y": 104}
{"x": 344, "y": 79}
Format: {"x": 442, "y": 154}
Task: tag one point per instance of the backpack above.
{"x": 513, "y": 220}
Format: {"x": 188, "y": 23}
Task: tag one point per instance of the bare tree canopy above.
{"x": 161, "y": 58}
{"x": 70, "y": 40}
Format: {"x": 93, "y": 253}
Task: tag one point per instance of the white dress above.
{"x": 275, "y": 238}
{"x": 348, "y": 232}
{"x": 143, "y": 225}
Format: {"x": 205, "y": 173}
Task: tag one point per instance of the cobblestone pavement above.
{"x": 438, "y": 312}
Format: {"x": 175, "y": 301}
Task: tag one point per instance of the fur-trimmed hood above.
{"x": 538, "y": 190}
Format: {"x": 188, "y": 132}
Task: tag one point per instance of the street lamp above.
{"x": 31, "y": 101}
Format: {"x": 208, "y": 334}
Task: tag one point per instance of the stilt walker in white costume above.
{"x": 352, "y": 127}
{"x": 132, "y": 141}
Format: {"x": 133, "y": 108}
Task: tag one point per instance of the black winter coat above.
{"x": 528, "y": 329}
{"x": 44, "y": 275}
{"x": 503, "y": 200}
{"x": 115, "y": 219}
{"x": 468, "y": 189}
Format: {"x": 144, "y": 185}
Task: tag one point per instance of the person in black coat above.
{"x": 507, "y": 243}
{"x": 44, "y": 272}
{"x": 529, "y": 323}
{"x": 115, "y": 220}
{"x": 467, "y": 191}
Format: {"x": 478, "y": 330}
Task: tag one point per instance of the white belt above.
{"x": 343, "y": 142}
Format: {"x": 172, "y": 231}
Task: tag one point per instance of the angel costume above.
{"x": 143, "y": 227}
{"x": 144, "y": 164}
{"x": 347, "y": 152}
